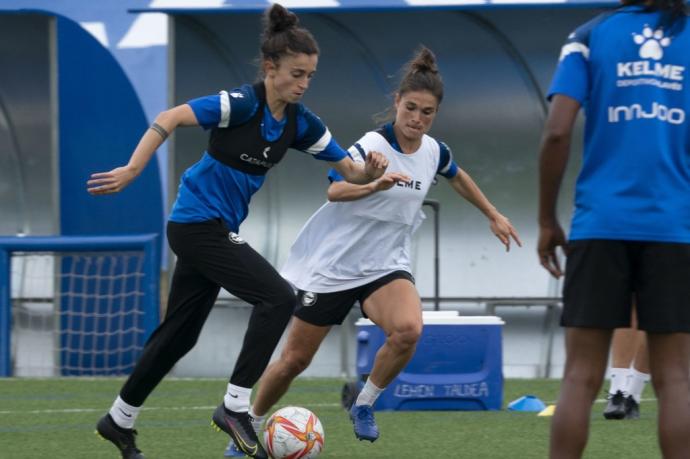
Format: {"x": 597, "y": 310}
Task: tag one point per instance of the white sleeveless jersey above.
{"x": 348, "y": 244}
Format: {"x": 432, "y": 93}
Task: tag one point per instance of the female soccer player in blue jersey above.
{"x": 251, "y": 129}
{"x": 356, "y": 247}
{"x": 630, "y": 233}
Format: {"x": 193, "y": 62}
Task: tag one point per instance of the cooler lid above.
{"x": 447, "y": 318}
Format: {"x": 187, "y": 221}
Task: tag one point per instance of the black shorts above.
{"x": 601, "y": 277}
{"x": 325, "y": 309}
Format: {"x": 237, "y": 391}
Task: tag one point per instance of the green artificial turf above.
{"x": 55, "y": 418}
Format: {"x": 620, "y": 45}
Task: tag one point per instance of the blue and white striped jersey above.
{"x": 210, "y": 189}
{"x": 627, "y": 69}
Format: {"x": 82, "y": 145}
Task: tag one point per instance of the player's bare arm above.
{"x": 463, "y": 184}
{"x": 343, "y": 191}
{"x": 374, "y": 167}
{"x": 553, "y": 159}
{"x": 117, "y": 179}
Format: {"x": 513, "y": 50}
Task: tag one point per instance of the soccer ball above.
{"x": 293, "y": 432}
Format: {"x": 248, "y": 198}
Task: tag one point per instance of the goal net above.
{"x": 76, "y": 306}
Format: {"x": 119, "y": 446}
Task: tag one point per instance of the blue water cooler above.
{"x": 457, "y": 365}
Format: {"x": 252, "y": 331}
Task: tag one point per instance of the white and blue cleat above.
{"x": 362, "y": 417}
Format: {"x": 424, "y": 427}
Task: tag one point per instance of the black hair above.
{"x": 282, "y": 35}
{"x": 421, "y": 74}
{"x": 672, "y": 9}
{"x": 675, "y": 7}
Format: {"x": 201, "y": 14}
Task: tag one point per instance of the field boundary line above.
{"x": 199, "y": 408}
{"x": 146, "y": 408}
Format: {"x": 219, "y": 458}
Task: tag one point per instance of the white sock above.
{"x": 124, "y": 414}
{"x": 257, "y": 421}
{"x": 237, "y": 398}
{"x": 637, "y": 383}
{"x": 369, "y": 394}
{"x": 619, "y": 380}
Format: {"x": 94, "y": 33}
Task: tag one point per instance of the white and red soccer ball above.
{"x": 292, "y": 433}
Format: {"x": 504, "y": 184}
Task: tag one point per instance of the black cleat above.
{"x": 615, "y": 408}
{"x": 239, "y": 427}
{"x": 632, "y": 408}
{"x": 124, "y": 439}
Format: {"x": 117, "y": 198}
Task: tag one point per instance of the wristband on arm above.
{"x": 160, "y": 130}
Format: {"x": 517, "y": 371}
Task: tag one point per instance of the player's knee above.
{"x": 174, "y": 345}
{"x": 186, "y": 344}
{"x": 278, "y": 307}
{"x": 288, "y": 296}
{"x": 406, "y": 336}
{"x": 670, "y": 378}
{"x": 284, "y": 300}
{"x": 294, "y": 363}
{"x": 591, "y": 381}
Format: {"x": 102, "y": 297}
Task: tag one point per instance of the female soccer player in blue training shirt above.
{"x": 251, "y": 129}
{"x": 630, "y": 232}
{"x": 357, "y": 247}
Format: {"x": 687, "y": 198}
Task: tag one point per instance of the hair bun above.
{"x": 421, "y": 74}
{"x": 282, "y": 35}
{"x": 280, "y": 19}
{"x": 424, "y": 61}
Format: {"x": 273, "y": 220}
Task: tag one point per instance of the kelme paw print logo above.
{"x": 652, "y": 43}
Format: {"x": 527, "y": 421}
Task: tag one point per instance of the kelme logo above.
{"x": 652, "y": 43}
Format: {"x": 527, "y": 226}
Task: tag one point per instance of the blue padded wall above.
{"x": 101, "y": 121}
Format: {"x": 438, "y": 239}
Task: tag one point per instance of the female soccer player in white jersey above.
{"x": 357, "y": 247}
{"x": 630, "y": 231}
{"x": 251, "y": 129}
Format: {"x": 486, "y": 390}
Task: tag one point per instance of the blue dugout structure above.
{"x": 112, "y": 78}
{"x": 111, "y": 66}
{"x": 96, "y": 119}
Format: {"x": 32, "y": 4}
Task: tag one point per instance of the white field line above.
{"x": 603, "y": 400}
{"x": 22, "y": 379}
{"x": 153, "y": 408}
{"x": 196, "y": 408}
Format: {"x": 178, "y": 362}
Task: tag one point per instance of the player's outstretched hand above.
{"x": 110, "y": 182}
{"x": 375, "y": 164}
{"x": 550, "y": 237}
{"x": 386, "y": 181}
{"x": 503, "y": 229}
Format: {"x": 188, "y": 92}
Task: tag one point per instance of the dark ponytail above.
{"x": 672, "y": 9}
{"x": 675, "y": 7}
{"x": 421, "y": 74}
{"x": 282, "y": 35}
